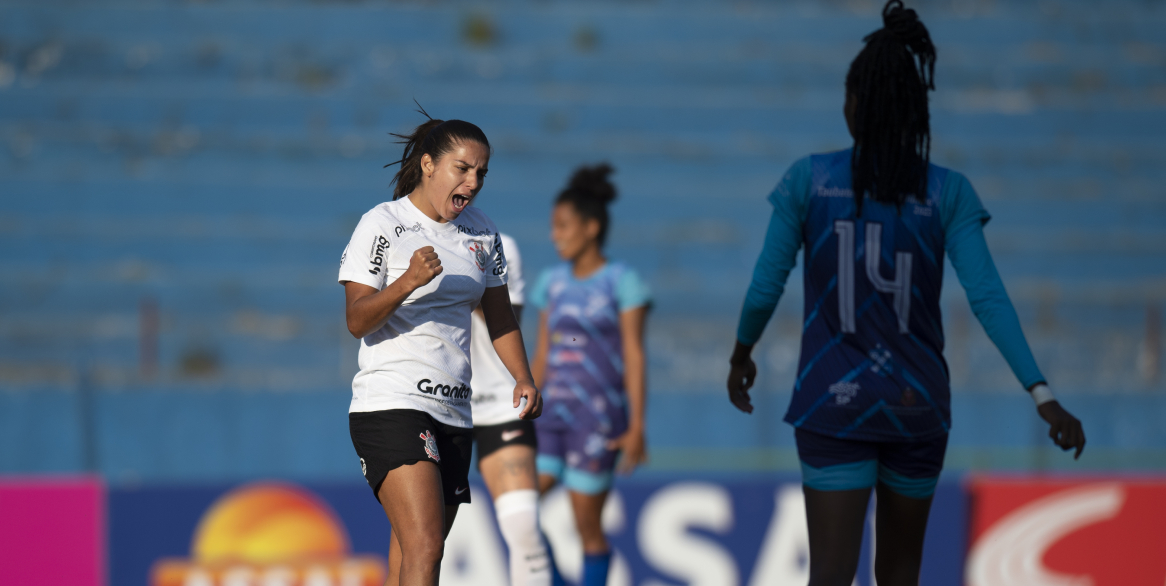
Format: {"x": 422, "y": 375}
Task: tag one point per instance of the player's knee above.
{"x": 425, "y": 551}
{"x": 517, "y": 513}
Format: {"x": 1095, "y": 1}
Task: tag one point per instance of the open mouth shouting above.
{"x": 460, "y": 202}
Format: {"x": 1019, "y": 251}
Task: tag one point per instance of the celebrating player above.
{"x": 412, "y": 273}
{"x": 871, "y": 400}
{"x": 590, "y": 360}
{"x": 507, "y": 444}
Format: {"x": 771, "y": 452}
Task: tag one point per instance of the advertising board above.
{"x": 734, "y": 532}
{"x": 1057, "y": 532}
{"x": 52, "y": 531}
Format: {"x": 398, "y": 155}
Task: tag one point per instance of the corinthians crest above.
{"x": 479, "y": 253}
{"x": 431, "y": 446}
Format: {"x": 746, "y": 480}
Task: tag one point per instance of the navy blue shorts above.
{"x": 908, "y": 468}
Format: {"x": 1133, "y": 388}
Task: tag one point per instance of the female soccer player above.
{"x": 412, "y": 273}
{"x": 507, "y": 444}
{"x": 590, "y": 358}
{"x": 870, "y": 405}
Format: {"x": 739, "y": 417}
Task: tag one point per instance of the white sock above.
{"x": 517, "y": 513}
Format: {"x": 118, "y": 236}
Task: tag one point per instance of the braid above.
{"x": 889, "y": 80}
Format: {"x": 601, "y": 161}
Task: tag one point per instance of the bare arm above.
{"x": 366, "y": 309}
{"x": 503, "y": 328}
{"x": 631, "y": 326}
{"x": 541, "y": 347}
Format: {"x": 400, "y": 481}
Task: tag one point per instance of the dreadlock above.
{"x": 888, "y": 82}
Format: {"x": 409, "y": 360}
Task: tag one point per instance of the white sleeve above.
{"x": 496, "y": 256}
{"x": 365, "y": 260}
{"x": 514, "y": 281}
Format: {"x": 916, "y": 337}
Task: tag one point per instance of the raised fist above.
{"x": 423, "y": 267}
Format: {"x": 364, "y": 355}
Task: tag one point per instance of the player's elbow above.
{"x": 355, "y": 328}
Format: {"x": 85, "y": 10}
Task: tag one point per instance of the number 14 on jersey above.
{"x": 899, "y": 287}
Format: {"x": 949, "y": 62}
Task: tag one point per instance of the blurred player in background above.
{"x": 871, "y": 402}
{"x": 590, "y": 359}
{"x": 507, "y": 442}
{"x": 415, "y": 269}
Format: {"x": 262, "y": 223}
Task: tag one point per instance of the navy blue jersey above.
{"x": 871, "y": 363}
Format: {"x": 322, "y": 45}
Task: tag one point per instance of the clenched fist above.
{"x": 424, "y": 266}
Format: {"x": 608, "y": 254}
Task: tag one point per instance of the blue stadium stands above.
{"x": 213, "y": 157}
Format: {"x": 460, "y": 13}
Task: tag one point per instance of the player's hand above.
{"x": 424, "y": 266}
{"x": 534, "y": 400}
{"x": 633, "y": 450}
{"x": 742, "y": 372}
{"x": 1065, "y": 429}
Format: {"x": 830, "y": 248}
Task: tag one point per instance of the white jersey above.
{"x": 419, "y": 358}
{"x": 493, "y": 386}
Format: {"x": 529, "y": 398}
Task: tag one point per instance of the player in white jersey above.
{"x": 507, "y": 444}
{"x": 415, "y": 269}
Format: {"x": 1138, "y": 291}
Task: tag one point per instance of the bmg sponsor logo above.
{"x": 376, "y": 254}
{"x": 454, "y": 392}
{"x": 499, "y": 257}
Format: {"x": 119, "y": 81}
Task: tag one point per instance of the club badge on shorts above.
{"x": 431, "y": 446}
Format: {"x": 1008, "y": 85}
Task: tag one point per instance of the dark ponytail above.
{"x": 589, "y": 192}
{"x": 889, "y": 80}
{"x": 434, "y": 138}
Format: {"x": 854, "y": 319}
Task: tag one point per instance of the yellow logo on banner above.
{"x": 269, "y": 533}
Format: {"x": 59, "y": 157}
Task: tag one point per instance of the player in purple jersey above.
{"x": 871, "y": 403}
{"x": 590, "y": 360}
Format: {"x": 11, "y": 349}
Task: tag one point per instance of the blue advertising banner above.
{"x": 224, "y": 526}
{"x": 711, "y": 531}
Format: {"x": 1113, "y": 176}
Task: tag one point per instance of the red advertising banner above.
{"x": 1062, "y": 532}
{"x": 52, "y": 531}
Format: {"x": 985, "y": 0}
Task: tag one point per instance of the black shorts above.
{"x": 492, "y": 438}
{"x": 386, "y": 440}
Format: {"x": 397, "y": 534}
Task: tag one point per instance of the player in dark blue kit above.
{"x": 871, "y": 401}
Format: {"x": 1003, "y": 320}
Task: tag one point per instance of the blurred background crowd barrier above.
{"x": 179, "y": 179}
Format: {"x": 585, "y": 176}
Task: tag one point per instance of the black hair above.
{"x": 889, "y": 80}
{"x": 434, "y": 138}
{"x": 589, "y": 192}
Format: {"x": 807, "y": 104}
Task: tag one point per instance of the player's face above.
{"x": 571, "y": 233}
{"x": 455, "y": 179}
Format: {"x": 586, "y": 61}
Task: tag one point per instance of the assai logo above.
{"x": 479, "y": 253}
{"x": 402, "y": 229}
{"x": 431, "y": 446}
{"x": 456, "y": 391}
{"x": 472, "y": 231}
{"x": 376, "y": 254}
{"x": 270, "y": 533}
